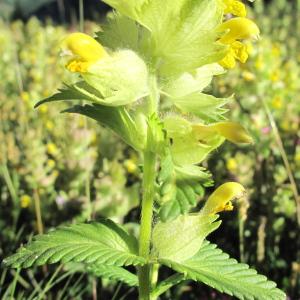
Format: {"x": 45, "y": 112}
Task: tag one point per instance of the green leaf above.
{"x": 194, "y": 146}
{"x": 191, "y": 40}
{"x": 180, "y": 187}
{"x": 215, "y": 268}
{"x": 114, "y": 273}
{"x": 69, "y": 92}
{"x": 120, "y": 32}
{"x": 83, "y": 91}
{"x": 102, "y": 242}
{"x": 181, "y": 238}
{"x": 121, "y": 77}
{"x": 206, "y": 107}
{"x": 117, "y": 119}
{"x": 188, "y": 83}
{"x": 165, "y": 285}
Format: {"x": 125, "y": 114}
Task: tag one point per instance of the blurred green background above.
{"x": 57, "y": 169}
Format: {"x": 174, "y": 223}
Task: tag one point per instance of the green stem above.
{"x": 38, "y": 212}
{"x": 241, "y": 239}
{"x": 146, "y": 223}
{"x": 284, "y": 158}
{"x": 81, "y": 16}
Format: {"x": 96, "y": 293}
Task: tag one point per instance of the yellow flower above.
{"x": 248, "y": 76}
{"x": 237, "y": 29}
{"x": 277, "y": 102}
{"x": 25, "y": 97}
{"x": 259, "y": 64}
{"x": 275, "y": 76}
{"x": 49, "y": 125}
{"x": 233, "y": 132}
{"x": 51, "y": 163}
{"x": 235, "y": 7}
{"x": 85, "y": 51}
{"x": 130, "y": 166}
{"x": 221, "y": 198}
{"x": 43, "y": 109}
{"x": 52, "y": 149}
{"x": 25, "y": 201}
{"x": 231, "y": 165}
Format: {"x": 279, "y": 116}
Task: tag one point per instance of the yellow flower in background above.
{"x": 237, "y": 29}
{"x": 43, "y": 109}
{"x": 248, "y": 76}
{"x": 276, "y": 102}
{"x": 25, "y": 97}
{"x": 25, "y": 201}
{"x": 49, "y": 125}
{"x": 52, "y": 149}
{"x": 51, "y": 163}
{"x": 275, "y": 76}
{"x": 221, "y": 198}
{"x": 235, "y": 7}
{"x": 85, "y": 51}
{"x": 130, "y": 166}
{"x": 259, "y": 64}
{"x": 231, "y": 164}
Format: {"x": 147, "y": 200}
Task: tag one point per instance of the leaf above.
{"x": 196, "y": 81}
{"x": 69, "y": 92}
{"x": 191, "y": 40}
{"x": 117, "y": 119}
{"x": 194, "y": 146}
{"x": 102, "y": 242}
{"x": 215, "y": 268}
{"x": 120, "y": 32}
{"x": 121, "y": 77}
{"x": 181, "y": 238}
{"x": 180, "y": 187}
{"x": 206, "y": 107}
{"x": 114, "y": 273}
{"x": 165, "y": 285}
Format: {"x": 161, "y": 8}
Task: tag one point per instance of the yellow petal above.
{"x": 228, "y": 61}
{"x": 233, "y": 132}
{"x": 77, "y": 65}
{"x": 240, "y": 51}
{"x": 238, "y": 29}
{"x": 235, "y": 7}
{"x": 84, "y": 47}
{"x": 221, "y": 198}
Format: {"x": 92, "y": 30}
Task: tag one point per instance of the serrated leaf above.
{"x": 206, "y": 107}
{"x": 180, "y": 187}
{"x": 191, "y": 40}
{"x": 215, "y": 268}
{"x": 102, "y": 242}
{"x": 189, "y": 83}
{"x": 181, "y": 238}
{"x": 117, "y": 119}
{"x": 165, "y": 285}
{"x": 120, "y": 32}
{"x": 114, "y": 273}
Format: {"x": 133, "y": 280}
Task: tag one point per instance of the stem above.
{"x": 241, "y": 239}
{"x": 38, "y": 213}
{"x": 81, "y": 16}
{"x": 284, "y": 158}
{"x": 14, "y": 284}
{"x": 146, "y": 223}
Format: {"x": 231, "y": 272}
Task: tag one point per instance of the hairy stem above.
{"x": 146, "y": 223}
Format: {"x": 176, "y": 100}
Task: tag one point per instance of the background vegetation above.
{"x": 61, "y": 169}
